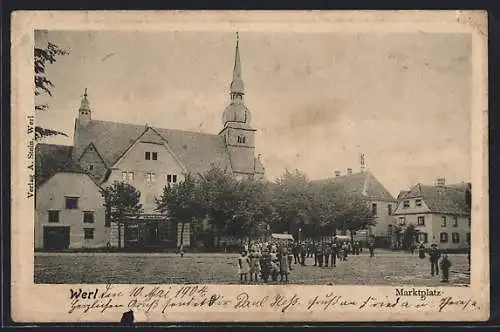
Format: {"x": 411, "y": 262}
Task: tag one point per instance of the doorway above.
{"x": 56, "y": 238}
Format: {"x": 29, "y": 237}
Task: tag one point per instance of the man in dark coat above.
{"x": 434, "y": 255}
{"x": 303, "y": 252}
{"x": 333, "y": 254}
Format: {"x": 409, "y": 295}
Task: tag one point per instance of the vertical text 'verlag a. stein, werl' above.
{"x": 30, "y": 130}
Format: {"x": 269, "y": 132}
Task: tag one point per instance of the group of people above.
{"x": 434, "y": 256}
{"x": 272, "y": 260}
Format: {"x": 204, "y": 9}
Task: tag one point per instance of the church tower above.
{"x": 238, "y": 135}
{"x": 84, "y": 113}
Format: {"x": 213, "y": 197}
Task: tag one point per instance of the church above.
{"x": 69, "y": 209}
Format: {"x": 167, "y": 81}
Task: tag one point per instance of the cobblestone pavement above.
{"x": 386, "y": 268}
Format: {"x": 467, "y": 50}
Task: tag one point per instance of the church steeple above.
{"x": 237, "y": 87}
{"x": 85, "y": 112}
{"x": 236, "y": 111}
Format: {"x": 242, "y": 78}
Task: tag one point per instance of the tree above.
{"x": 43, "y": 86}
{"x": 218, "y": 199}
{"x": 409, "y": 236}
{"x": 120, "y": 200}
{"x": 293, "y": 204}
{"x": 183, "y": 203}
{"x": 353, "y": 213}
{"x": 251, "y": 210}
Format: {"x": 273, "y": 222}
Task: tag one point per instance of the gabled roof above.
{"x": 363, "y": 184}
{"x": 450, "y": 199}
{"x": 197, "y": 151}
{"x": 51, "y": 159}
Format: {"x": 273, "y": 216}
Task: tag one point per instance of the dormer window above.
{"x": 418, "y": 202}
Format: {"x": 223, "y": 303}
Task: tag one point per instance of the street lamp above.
{"x": 300, "y": 231}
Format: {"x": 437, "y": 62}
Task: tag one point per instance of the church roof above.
{"x": 197, "y": 151}
{"x": 51, "y": 159}
{"x": 363, "y": 184}
{"x": 450, "y": 199}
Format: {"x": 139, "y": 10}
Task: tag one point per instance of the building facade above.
{"x": 377, "y": 197}
{"x": 70, "y": 213}
{"x": 441, "y": 214}
{"x": 149, "y": 158}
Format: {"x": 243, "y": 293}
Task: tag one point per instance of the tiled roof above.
{"x": 363, "y": 183}
{"x": 197, "y": 151}
{"x": 51, "y": 159}
{"x": 450, "y": 199}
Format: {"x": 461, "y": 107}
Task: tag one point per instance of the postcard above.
{"x": 234, "y": 166}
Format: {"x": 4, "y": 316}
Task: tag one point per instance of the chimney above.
{"x": 440, "y": 182}
{"x": 337, "y": 173}
{"x": 349, "y": 171}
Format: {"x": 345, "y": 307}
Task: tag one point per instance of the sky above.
{"x": 317, "y": 100}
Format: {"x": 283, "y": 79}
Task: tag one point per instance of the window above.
{"x": 53, "y": 216}
{"x": 127, "y": 176}
{"x": 91, "y": 167}
{"x": 418, "y": 202}
{"x": 422, "y": 237}
{"x": 150, "y": 177}
{"x": 455, "y": 237}
{"x": 155, "y": 155}
{"x": 88, "y": 233}
{"x": 402, "y": 220}
{"x": 389, "y": 209}
{"x": 88, "y": 217}
{"x": 171, "y": 178}
{"x": 443, "y": 237}
{"x": 147, "y": 155}
{"x": 455, "y": 221}
{"x": 406, "y": 204}
{"x": 467, "y": 237}
{"x": 91, "y": 148}
{"x": 241, "y": 139}
{"x": 421, "y": 220}
{"x": 71, "y": 203}
{"x": 443, "y": 221}
{"x": 374, "y": 209}
{"x": 469, "y": 221}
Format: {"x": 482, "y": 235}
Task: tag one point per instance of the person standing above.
{"x": 284, "y": 267}
{"x": 445, "y": 268}
{"x": 295, "y": 251}
{"x": 327, "y": 253}
{"x": 244, "y": 266}
{"x": 421, "y": 251}
{"x": 254, "y": 265}
{"x": 333, "y": 254}
{"x": 315, "y": 250}
{"x": 434, "y": 255}
{"x": 303, "y": 250}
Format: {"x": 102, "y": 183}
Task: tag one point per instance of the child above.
{"x": 284, "y": 267}
{"x": 445, "y": 268}
{"x": 244, "y": 266}
{"x": 254, "y": 265}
